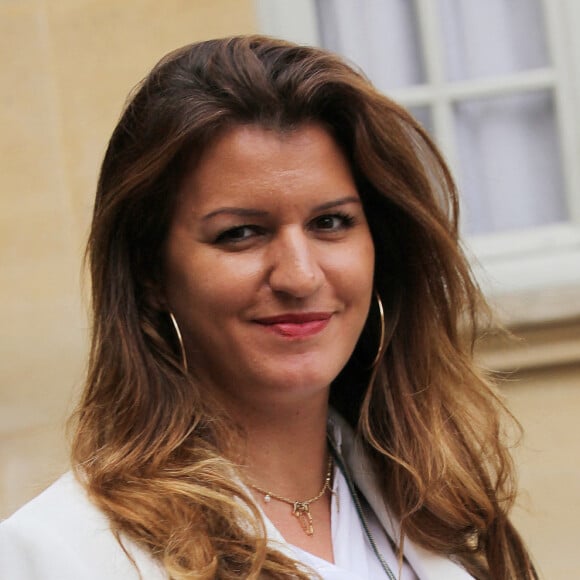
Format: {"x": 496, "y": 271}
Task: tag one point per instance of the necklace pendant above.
{"x": 302, "y": 511}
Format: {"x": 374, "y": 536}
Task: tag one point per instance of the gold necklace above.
{"x": 300, "y": 509}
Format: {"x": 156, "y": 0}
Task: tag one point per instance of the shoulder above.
{"x": 62, "y": 535}
{"x": 63, "y": 502}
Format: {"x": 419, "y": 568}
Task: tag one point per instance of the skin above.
{"x": 269, "y": 272}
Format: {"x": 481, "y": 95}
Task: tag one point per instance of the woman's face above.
{"x": 269, "y": 264}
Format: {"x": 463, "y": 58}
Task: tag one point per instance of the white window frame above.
{"x": 530, "y": 264}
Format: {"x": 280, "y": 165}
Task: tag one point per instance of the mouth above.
{"x": 296, "y": 324}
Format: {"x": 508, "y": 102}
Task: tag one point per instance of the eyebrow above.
{"x": 247, "y": 212}
{"x": 337, "y": 202}
{"x": 240, "y": 211}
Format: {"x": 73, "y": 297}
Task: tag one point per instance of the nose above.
{"x": 294, "y": 269}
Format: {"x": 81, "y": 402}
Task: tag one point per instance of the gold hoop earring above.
{"x": 180, "y": 340}
{"x": 383, "y": 331}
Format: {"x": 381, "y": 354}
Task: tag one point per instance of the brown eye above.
{"x": 327, "y": 222}
{"x": 333, "y": 222}
{"x": 237, "y": 234}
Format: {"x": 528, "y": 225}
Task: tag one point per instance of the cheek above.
{"x": 363, "y": 277}
{"x": 353, "y": 285}
{"x": 185, "y": 280}
{"x": 212, "y": 282}
{"x": 356, "y": 268}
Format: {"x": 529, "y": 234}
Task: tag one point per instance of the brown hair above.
{"x": 151, "y": 448}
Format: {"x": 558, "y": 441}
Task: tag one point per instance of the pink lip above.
{"x": 296, "y": 325}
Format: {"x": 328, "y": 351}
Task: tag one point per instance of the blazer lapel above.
{"x": 427, "y": 565}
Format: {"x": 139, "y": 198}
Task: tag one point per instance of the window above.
{"x": 496, "y": 83}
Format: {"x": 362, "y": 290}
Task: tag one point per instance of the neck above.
{"x": 285, "y": 450}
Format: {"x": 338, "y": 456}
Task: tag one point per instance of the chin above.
{"x": 300, "y": 381}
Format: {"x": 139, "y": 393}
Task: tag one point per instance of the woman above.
{"x": 281, "y": 380}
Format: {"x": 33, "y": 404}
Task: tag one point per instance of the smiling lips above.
{"x": 296, "y": 325}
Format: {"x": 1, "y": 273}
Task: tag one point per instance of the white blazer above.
{"x": 61, "y": 535}
{"x": 426, "y": 565}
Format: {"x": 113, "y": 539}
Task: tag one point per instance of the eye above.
{"x": 333, "y": 222}
{"x": 237, "y": 234}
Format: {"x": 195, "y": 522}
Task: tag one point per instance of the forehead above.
{"x": 249, "y": 160}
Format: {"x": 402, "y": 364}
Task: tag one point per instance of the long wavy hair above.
{"x": 152, "y": 449}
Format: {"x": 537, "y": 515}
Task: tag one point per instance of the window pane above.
{"x": 423, "y": 115}
{"x": 510, "y": 165}
{"x": 493, "y": 37}
{"x": 380, "y": 36}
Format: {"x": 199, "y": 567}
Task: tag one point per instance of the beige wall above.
{"x": 67, "y": 66}
{"x": 547, "y": 401}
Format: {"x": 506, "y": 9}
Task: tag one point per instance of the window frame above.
{"x": 522, "y": 270}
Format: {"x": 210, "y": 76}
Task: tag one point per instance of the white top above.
{"x": 354, "y": 558}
